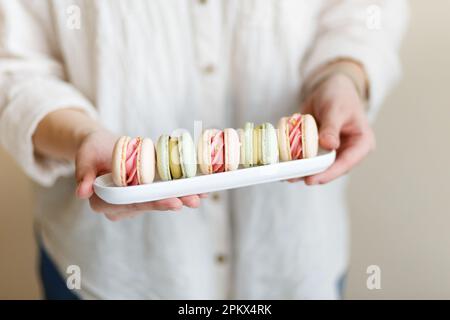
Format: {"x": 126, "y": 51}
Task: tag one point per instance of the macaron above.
{"x": 258, "y": 145}
{"x": 218, "y": 151}
{"x": 298, "y": 137}
{"x": 175, "y": 157}
{"x": 133, "y": 161}
{"x": 267, "y": 145}
{"x": 246, "y": 139}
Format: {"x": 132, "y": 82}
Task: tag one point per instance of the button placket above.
{"x": 208, "y": 30}
{"x": 207, "y": 27}
{"x": 217, "y": 207}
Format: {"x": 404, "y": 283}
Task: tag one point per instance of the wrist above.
{"x": 351, "y": 69}
{"x": 61, "y": 132}
{"x": 80, "y": 134}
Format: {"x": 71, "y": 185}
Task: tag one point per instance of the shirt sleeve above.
{"x": 32, "y": 85}
{"x": 368, "y": 31}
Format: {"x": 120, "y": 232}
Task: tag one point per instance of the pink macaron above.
{"x": 297, "y": 137}
{"x": 133, "y": 161}
{"x": 218, "y": 151}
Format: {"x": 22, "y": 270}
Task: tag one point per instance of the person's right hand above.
{"x": 93, "y": 158}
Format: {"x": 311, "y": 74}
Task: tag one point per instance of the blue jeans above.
{"x": 53, "y": 283}
{"x": 341, "y": 285}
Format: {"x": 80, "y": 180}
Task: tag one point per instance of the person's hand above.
{"x": 93, "y": 158}
{"x": 343, "y": 125}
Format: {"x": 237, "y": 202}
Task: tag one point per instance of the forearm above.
{"x": 60, "y": 133}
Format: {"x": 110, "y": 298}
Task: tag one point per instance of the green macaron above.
{"x": 258, "y": 145}
{"x": 175, "y": 157}
{"x": 267, "y": 144}
{"x": 162, "y": 157}
{"x": 187, "y": 154}
{"x": 246, "y": 139}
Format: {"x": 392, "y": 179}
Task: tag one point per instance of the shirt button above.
{"x": 215, "y": 197}
{"x": 209, "y": 69}
{"x": 221, "y": 259}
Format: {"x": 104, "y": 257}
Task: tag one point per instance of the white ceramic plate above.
{"x": 105, "y": 188}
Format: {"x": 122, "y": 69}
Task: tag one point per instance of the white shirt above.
{"x": 149, "y": 67}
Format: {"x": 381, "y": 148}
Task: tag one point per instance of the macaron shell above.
{"x": 310, "y": 136}
{"x": 174, "y": 159}
{"x": 256, "y": 145}
{"x": 138, "y": 159}
{"x": 248, "y": 145}
{"x": 118, "y": 161}
{"x": 146, "y": 161}
{"x": 162, "y": 158}
{"x": 269, "y": 144}
{"x": 283, "y": 139}
{"x": 241, "y": 135}
{"x": 204, "y": 152}
{"x": 187, "y": 155}
{"x": 232, "y": 149}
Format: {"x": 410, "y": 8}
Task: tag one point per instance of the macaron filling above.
{"x": 131, "y": 174}
{"x": 295, "y": 136}
{"x": 187, "y": 155}
{"x": 257, "y": 145}
{"x": 174, "y": 157}
{"x": 248, "y": 145}
{"x": 162, "y": 158}
{"x": 268, "y": 145}
{"x": 217, "y": 152}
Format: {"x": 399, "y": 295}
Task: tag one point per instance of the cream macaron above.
{"x": 259, "y": 144}
{"x": 133, "y": 161}
{"x": 246, "y": 140}
{"x": 267, "y": 145}
{"x": 298, "y": 137}
{"x": 218, "y": 151}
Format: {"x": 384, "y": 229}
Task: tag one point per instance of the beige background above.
{"x": 399, "y": 198}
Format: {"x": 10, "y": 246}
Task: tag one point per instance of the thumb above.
{"x": 86, "y": 173}
{"x": 331, "y": 123}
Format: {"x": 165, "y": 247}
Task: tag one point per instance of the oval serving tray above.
{"x": 106, "y": 190}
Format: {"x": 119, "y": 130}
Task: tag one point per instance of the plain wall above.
{"x": 17, "y": 246}
{"x": 399, "y": 197}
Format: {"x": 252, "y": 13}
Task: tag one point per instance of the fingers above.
{"x": 351, "y": 153}
{"x": 100, "y": 206}
{"x": 191, "y": 201}
{"x": 171, "y": 204}
{"x": 119, "y": 212}
{"x": 343, "y": 126}
{"x": 85, "y": 175}
{"x": 294, "y": 180}
{"x": 331, "y": 120}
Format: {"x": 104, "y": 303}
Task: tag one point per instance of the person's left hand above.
{"x": 343, "y": 126}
